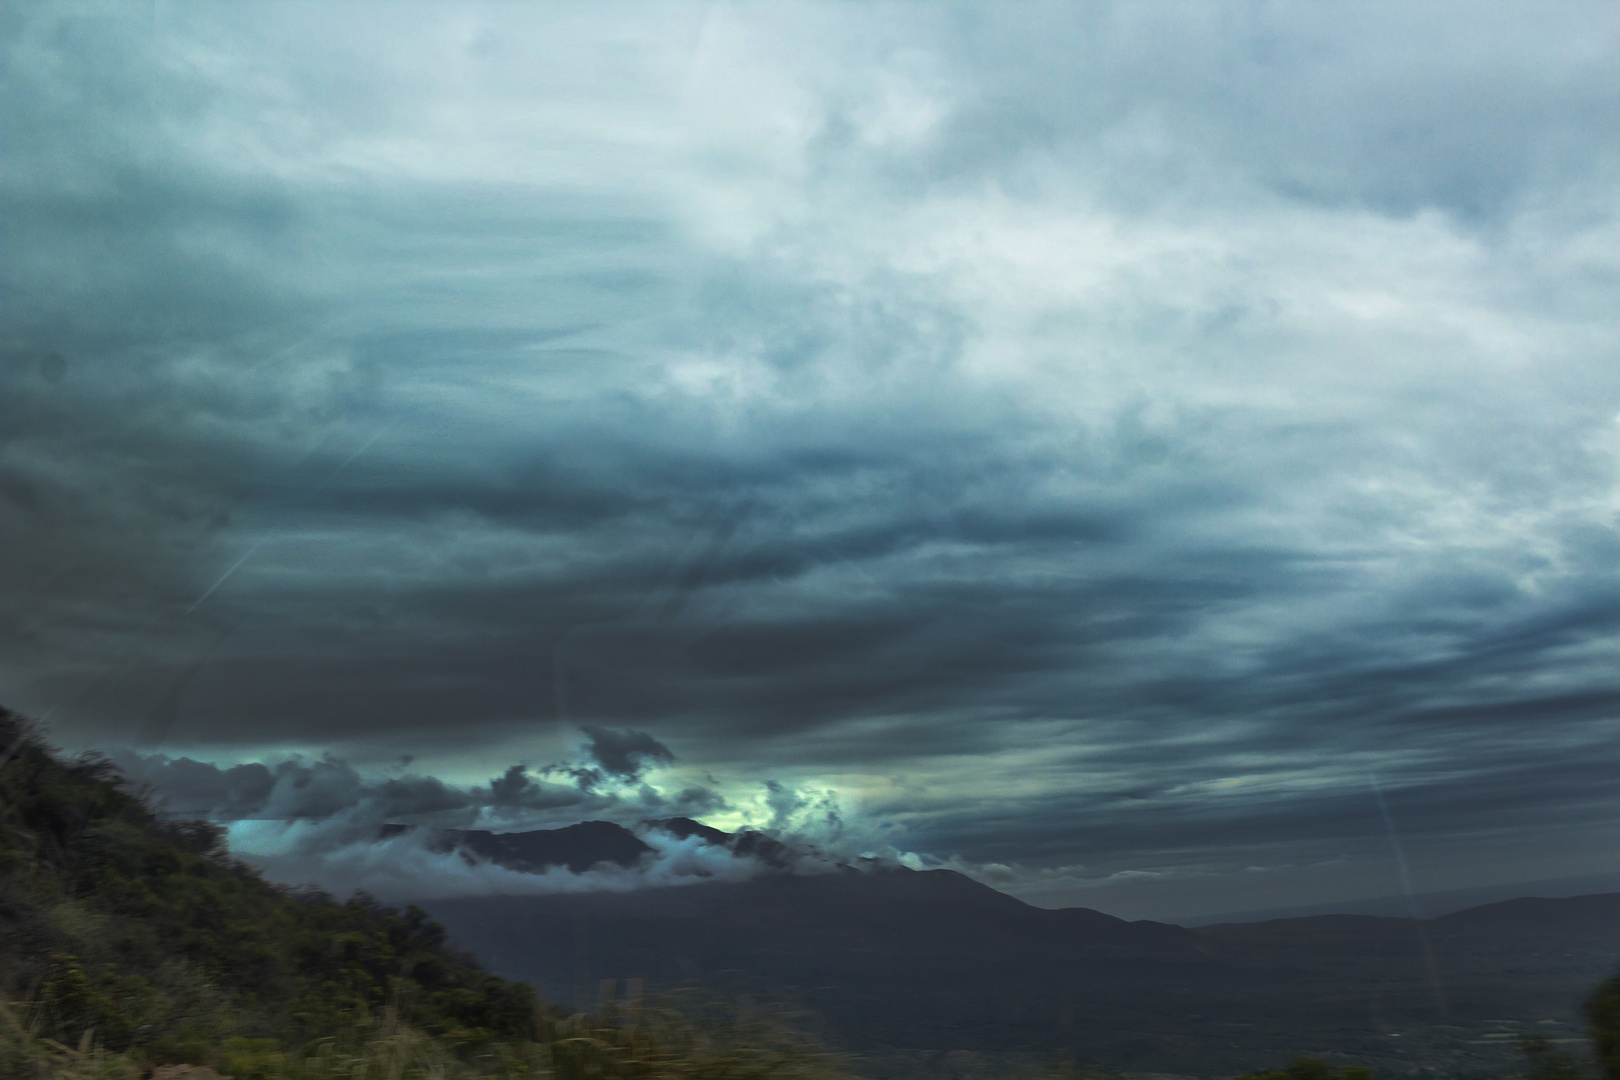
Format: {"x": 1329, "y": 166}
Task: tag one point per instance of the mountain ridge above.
{"x": 895, "y": 961}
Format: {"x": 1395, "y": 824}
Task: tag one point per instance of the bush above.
{"x": 1311, "y": 1069}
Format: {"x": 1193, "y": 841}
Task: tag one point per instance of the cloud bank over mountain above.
{"x": 404, "y": 835}
{"x": 1098, "y": 441}
{"x": 605, "y": 777}
{"x": 413, "y": 866}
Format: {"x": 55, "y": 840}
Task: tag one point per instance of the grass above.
{"x": 625, "y": 1040}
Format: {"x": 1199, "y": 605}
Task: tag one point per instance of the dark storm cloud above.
{"x": 1075, "y": 437}
{"x": 625, "y": 753}
{"x": 290, "y": 789}
{"x": 600, "y": 780}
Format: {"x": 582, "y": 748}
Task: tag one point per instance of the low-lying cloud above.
{"x": 603, "y": 780}
{"x": 343, "y": 853}
{"x": 327, "y": 823}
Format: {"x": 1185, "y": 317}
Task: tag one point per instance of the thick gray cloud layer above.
{"x": 598, "y": 781}
{"x": 1094, "y": 442}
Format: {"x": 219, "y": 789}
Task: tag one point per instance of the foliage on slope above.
{"x": 145, "y": 931}
{"x": 650, "y": 1044}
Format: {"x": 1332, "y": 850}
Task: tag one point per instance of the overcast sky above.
{"x": 1097, "y": 446}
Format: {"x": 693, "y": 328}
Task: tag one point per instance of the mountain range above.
{"x": 912, "y": 969}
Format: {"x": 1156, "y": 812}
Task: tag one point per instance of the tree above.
{"x": 1547, "y": 1062}
{"x": 1603, "y": 1023}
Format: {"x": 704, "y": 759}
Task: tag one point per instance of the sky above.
{"x": 1155, "y": 457}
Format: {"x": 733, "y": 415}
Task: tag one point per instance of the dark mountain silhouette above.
{"x": 1425, "y": 904}
{"x": 900, "y": 964}
{"x": 768, "y": 851}
{"x": 578, "y": 847}
{"x": 594, "y": 843}
{"x": 683, "y": 827}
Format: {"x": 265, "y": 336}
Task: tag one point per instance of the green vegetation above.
{"x": 1547, "y": 1062}
{"x": 653, "y": 1045}
{"x": 148, "y": 933}
{"x": 1311, "y": 1069}
{"x": 128, "y": 942}
{"x": 1603, "y": 1023}
{"x": 1544, "y": 1061}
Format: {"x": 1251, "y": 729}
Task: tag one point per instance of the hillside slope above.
{"x": 146, "y": 932}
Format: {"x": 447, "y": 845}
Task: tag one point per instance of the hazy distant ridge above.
{"x": 893, "y": 958}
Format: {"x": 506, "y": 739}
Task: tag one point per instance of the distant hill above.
{"x": 1423, "y": 904}
{"x": 898, "y": 962}
{"x": 592, "y": 844}
{"x": 576, "y": 847}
